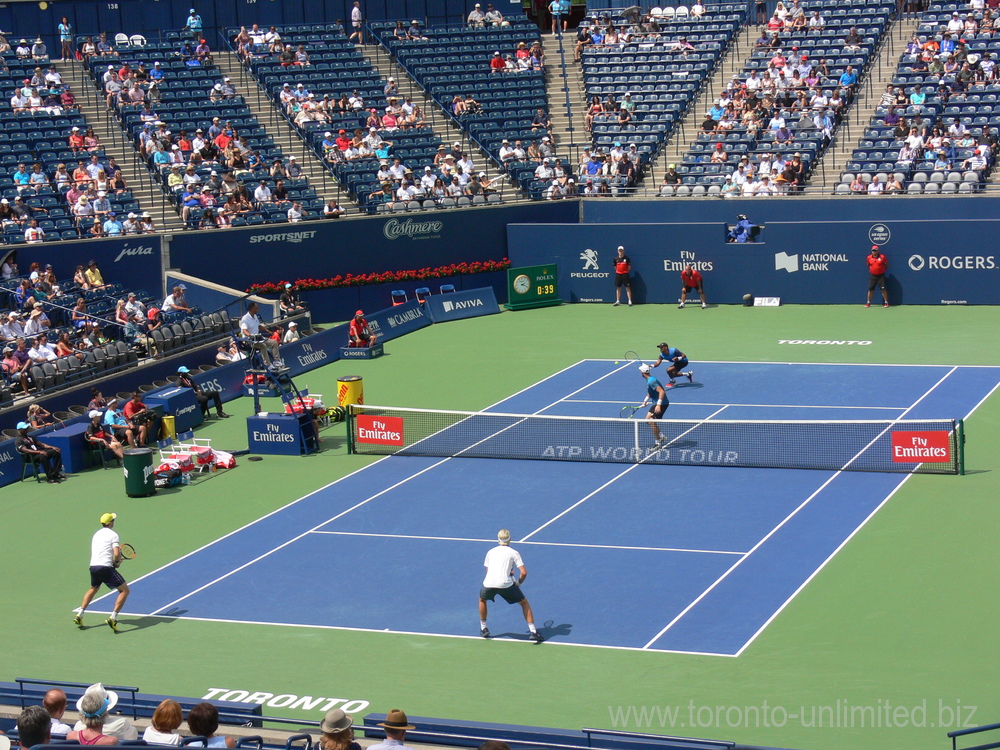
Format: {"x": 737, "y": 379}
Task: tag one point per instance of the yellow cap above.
{"x": 108, "y": 518}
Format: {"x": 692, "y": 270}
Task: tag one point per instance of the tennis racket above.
{"x": 127, "y": 551}
{"x": 628, "y": 412}
{"x": 631, "y": 356}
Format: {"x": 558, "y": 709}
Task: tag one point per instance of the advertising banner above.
{"x": 457, "y": 305}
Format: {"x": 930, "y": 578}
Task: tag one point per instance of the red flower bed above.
{"x": 386, "y": 277}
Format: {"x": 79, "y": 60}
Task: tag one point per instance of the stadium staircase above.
{"x": 108, "y": 130}
{"x": 566, "y": 114}
{"x": 687, "y": 133}
{"x": 285, "y": 137}
{"x": 883, "y": 69}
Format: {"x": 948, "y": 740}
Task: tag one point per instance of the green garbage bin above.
{"x": 139, "y": 472}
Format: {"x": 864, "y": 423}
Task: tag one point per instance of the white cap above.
{"x": 94, "y": 413}
{"x": 482, "y": 174}
{"x": 225, "y": 78}
{"x": 427, "y": 169}
{"x": 327, "y": 134}
{"x": 293, "y": 324}
{"x": 621, "y": 247}
{"x": 390, "y": 78}
{"x": 643, "y": 368}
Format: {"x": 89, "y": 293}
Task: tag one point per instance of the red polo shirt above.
{"x": 878, "y": 264}
{"x": 692, "y": 279}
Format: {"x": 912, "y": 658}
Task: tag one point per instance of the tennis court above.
{"x": 685, "y": 558}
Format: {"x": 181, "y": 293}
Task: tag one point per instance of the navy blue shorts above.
{"x": 511, "y": 594}
{"x": 678, "y": 365}
{"x": 103, "y": 574}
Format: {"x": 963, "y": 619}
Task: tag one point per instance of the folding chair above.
{"x": 199, "y": 449}
{"x": 172, "y": 457}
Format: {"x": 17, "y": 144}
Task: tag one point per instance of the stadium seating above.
{"x": 186, "y": 105}
{"x": 976, "y": 107}
{"x": 117, "y": 350}
{"x": 662, "y": 82}
{"x": 41, "y": 137}
{"x": 824, "y": 46}
{"x": 454, "y": 60}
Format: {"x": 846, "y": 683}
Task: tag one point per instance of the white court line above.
{"x": 310, "y": 494}
{"x": 540, "y": 544}
{"x": 354, "y": 507}
{"x": 795, "y": 593}
{"x": 769, "y": 406}
{"x": 295, "y": 539}
{"x": 552, "y": 643}
{"x": 787, "y": 518}
{"x": 524, "y": 640}
{"x": 852, "y": 365}
{"x": 613, "y": 480}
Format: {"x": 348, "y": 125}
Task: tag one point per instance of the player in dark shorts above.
{"x": 656, "y": 393}
{"x": 878, "y": 264}
{"x": 677, "y": 362}
{"x": 105, "y": 557}
{"x": 623, "y": 278}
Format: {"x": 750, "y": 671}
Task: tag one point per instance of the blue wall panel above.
{"x": 322, "y": 249}
{"x": 945, "y": 261}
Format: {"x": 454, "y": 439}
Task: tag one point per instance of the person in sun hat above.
{"x": 105, "y": 557}
{"x": 505, "y": 572}
{"x": 338, "y": 731}
{"x": 396, "y": 725}
{"x": 105, "y": 700}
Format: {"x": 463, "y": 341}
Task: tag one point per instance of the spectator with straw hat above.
{"x": 396, "y": 725}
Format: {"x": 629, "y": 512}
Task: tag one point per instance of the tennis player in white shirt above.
{"x": 505, "y": 572}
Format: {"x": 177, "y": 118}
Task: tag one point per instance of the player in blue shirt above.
{"x": 656, "y": 393}
{"x": 678, "y": 361}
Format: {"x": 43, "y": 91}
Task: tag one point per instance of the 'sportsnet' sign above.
{"x": 379, "y": 430}
{"x": 932, "y": 446}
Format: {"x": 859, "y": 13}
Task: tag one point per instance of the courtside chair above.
{"x": 447, "y": 289}
{"x": 36, "y": 467}
{"x": 422, "y": 294}
{"x": 398, "y": 297}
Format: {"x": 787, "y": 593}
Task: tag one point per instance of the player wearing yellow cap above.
{"x": 105, "y": 557}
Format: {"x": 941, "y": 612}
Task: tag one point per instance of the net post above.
{"x": 350, "y": 429}
{"x": 960, "y": 438}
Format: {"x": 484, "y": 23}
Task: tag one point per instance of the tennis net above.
{"x": 925, "y": 446}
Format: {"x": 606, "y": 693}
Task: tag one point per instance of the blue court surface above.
{"x": 695, "y": 559}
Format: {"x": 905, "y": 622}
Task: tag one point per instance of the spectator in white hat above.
{"x": 98, "y": 434}
{"x": 477, "y": 18}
